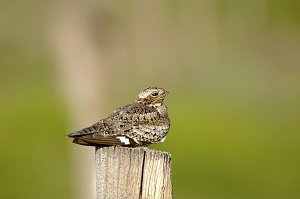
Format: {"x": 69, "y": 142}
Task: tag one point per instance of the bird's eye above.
{"x": 154, "y": 94}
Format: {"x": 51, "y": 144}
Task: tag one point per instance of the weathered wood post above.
{"x": 123, "y": 172}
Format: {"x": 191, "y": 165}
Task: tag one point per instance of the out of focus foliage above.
{"x": 232, "y": 68}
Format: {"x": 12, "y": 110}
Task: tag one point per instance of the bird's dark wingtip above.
{"x": 71, "y": 135}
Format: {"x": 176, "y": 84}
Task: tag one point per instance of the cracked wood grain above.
{"x": 123, "y": 172}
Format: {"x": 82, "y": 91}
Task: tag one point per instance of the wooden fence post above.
{"x": 123, "y": 172}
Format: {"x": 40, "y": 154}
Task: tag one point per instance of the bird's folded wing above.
{"x": 95, "y": 128}
{"x": 95, "y": 140}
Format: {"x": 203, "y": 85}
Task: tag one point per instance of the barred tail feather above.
{"x": 82, "y": 132}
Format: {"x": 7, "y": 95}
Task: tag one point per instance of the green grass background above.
{"x": 235, "y": 111}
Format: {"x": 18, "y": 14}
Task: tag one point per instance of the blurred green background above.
{"x": 232, "y": 68}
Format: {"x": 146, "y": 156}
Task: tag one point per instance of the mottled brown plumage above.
{"x": 141, "y": 123}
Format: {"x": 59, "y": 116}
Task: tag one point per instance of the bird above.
{"x": 139, "y": 124}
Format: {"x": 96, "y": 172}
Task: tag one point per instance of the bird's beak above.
{"x": 167, "y": 92}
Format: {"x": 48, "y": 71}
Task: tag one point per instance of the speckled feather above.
{"x": 141, "y": 123}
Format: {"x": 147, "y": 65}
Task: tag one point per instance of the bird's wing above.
{"x": 103, "y": 133}
{"x": 92, "y": 140}
{"x": 117, "y": 128}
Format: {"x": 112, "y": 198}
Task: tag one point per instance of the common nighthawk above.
{"x": 141, "y": 123}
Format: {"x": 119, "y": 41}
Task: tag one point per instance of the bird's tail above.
{"x": 82, "y": 132}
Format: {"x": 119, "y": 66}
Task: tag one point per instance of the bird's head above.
{"x": 152, "y": 96}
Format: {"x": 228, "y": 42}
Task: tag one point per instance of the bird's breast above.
{"x": 163, "y": 110}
